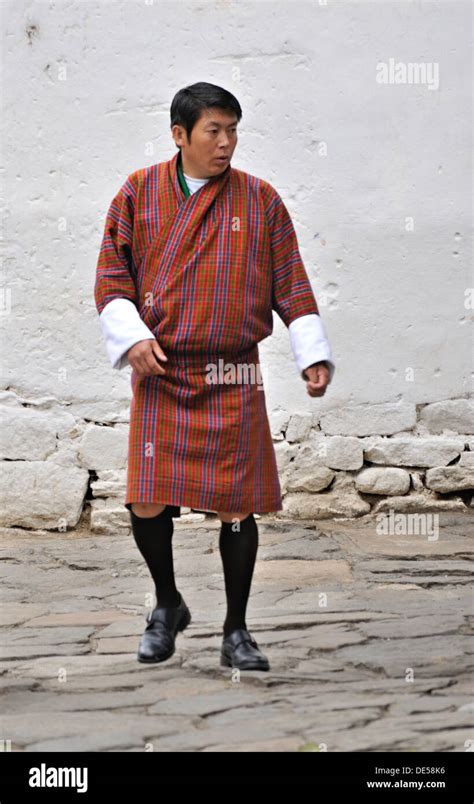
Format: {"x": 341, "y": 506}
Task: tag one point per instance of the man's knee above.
{"x": 228, "y": 516}
{"x": 148, "y": 509}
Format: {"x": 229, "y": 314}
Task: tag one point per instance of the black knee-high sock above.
{"x": 238, "y": 551}
{"x": 153, "y": 536}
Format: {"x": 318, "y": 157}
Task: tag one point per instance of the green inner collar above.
{"x": 181, "y": 179}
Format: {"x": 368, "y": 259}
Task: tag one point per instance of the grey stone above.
{"x": 365, "y": 420}
{"x": 450, "y": 478}
{"x": 414, "y": 451}
{"x": 374, "y": 480}
{"x": 104, "y": 447}
{"x": 452, "y": 415}
{"x": 57, "y": 500}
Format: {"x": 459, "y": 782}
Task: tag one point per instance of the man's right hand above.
{"x": 143, "y": 357}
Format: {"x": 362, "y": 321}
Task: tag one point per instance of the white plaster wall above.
{"x": 87, "y": 89}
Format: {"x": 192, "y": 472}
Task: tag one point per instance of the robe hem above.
{"x": 197, "y": 504}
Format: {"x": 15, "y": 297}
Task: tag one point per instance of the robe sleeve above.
{"x": 115, "y": 274}
{"x": 292, "y": 294}
{"x": 115, "y": 288}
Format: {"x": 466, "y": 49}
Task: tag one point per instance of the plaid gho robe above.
{"x": 205, "y": 273}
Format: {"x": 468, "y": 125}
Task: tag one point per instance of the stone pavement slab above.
{"x": 369, "y": 638}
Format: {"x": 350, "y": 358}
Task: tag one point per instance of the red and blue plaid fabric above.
{"x": 205, "y": 274}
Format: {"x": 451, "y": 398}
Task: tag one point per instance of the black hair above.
{"x": 188, "y": 103}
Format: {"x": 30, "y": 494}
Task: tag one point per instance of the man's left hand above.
{"x": 317, "y": 377}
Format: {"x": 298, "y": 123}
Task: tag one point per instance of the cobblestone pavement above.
{"x": 368, "y": 638}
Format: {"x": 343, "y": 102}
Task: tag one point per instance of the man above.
{"x": 195, "y": 256}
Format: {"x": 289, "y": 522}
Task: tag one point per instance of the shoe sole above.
{"x": 183, "y": 623}
{"x": 225, "y": 662}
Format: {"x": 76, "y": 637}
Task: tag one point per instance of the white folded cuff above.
{"x": 122, "y": 327}
{"x": 309, "y": 342}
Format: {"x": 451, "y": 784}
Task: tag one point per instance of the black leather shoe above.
{"x": 158, "y": 640}
{"x": 240, "y": 650}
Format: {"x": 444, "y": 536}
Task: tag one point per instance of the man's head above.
{"x": 204, "y": 121}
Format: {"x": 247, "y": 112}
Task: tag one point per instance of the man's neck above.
{"x": 191, "y": 171}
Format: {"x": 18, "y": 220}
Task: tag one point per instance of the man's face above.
{"x": 214, "y": 136}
